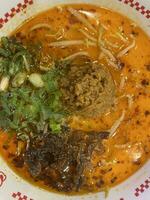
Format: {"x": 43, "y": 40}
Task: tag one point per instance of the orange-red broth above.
{"x": 129, "y": 148}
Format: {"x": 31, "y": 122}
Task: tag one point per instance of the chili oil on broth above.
{"x": 128, "y": 149}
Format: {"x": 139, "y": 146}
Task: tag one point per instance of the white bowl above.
{"x": 11, "y": 186}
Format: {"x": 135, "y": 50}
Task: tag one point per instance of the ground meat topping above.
{"x": 88, "y": 88}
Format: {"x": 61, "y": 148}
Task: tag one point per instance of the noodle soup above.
{"x": 75, "y": 99}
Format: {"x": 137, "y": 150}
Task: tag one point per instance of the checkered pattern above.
{"x": 19, "y": 196}
{"x": 142, "y": 187}
{"x": 2, "y": 178}
{"x": 140, "y": 8}
{"x": 20, "y": 7}
{"x": 134, "y": 4}
{"x": 13, "y": 11}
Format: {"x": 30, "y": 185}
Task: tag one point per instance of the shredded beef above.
{"x": 61, "y": 160}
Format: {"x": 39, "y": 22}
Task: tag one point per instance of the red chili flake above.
{"x": 147, "y": 112}
{"x": 145, "y": 82}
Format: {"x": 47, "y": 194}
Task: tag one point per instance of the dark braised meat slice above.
{"x": 61, "y": 160}
{"x": 88, "y": 88}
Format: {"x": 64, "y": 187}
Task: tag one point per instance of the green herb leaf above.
{"x": 25, "y": 109}
{"x": 14, "y": 57}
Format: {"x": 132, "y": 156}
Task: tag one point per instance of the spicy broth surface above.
{"x": 129, "y": 147}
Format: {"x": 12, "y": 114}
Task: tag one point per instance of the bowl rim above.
{"x": 142, "y": 10}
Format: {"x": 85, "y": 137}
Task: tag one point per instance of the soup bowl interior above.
{"x": 13, "y": 13}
